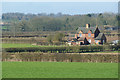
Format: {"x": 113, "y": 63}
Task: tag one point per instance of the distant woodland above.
{"x": 21, "y": 22}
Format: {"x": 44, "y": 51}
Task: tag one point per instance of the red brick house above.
{"x": 88, "y": 35}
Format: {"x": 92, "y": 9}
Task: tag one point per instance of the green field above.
{"x": 18, "y": 45}
{"x": 59, "y": 70}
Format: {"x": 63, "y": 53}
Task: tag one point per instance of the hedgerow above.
{"x": 60, "y": 57}
{"x": 65, "y": 49}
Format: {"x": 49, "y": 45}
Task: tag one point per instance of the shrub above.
{"x": 62, "y": 57}
{"x": 67, "y": 49}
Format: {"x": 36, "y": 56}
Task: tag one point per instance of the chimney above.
{"x": 87, "y": 26}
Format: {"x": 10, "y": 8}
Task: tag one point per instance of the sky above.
{"x": 60, "y": 0}
{"x": 71, "y": 8}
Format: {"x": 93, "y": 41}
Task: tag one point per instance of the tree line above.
{"x": 21, "y": 22}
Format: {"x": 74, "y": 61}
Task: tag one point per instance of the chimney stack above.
{"x": 87, "y": 26}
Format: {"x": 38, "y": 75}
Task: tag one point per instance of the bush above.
{"x": 62, "y": 57}
{"x": 67, "y": 49}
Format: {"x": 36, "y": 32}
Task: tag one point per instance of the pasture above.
{"x": 17, "y": 45}
{"x": 23, "y": 45}
{"x": 59, "y": 70}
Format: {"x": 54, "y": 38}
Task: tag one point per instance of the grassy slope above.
{"x": 59, "y": 70}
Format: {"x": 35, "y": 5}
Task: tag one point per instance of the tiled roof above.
{"x": 85, "y": 30}
{"x": 99, "y": 36}
{"x": 77, "y": 39}
{"x": 81, "y": 39}
{"x": 74, "y": 39}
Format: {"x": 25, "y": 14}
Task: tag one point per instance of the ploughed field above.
{"x": 59, "y": 70}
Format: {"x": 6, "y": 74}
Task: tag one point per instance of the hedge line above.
{"x": 67, "y": 49}
{"x": 63, "y": 57}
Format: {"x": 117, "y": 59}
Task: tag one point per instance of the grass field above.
{"x": 18, "y": 45}
{"x": 59, "y": 70}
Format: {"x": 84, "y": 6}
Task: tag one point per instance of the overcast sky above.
{"x": 63, "y": 7}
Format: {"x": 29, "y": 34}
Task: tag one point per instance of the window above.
{"x": 80, "y": 35}
{"x": 89, "y": 34}
{"x": 103, "y": 41}
{"x": 89, "y": 40}
{"x": 95, "y": 41}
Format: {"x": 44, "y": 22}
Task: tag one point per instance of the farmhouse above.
{"x": 88, "y": 35}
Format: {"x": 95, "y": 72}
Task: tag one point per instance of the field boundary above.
{"x": 61, "y": 57}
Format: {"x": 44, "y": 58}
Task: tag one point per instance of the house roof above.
{"x": 81, "y": 39}
{"x": 77, "y": 39}
{"x": 99, "y": 36}
{"x": 85, "y": 30}
{"x": 74, "y": 39}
